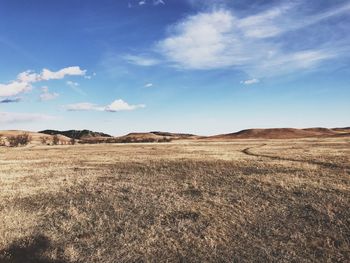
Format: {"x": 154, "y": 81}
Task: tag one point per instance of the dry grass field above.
{"x": 195, "y": 201}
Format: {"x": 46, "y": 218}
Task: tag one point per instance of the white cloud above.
{"x": 263, "y": 25}
{"x": 24, "y": 80}
{"x": 148, "y": 85}
{"x": 90, "y": 76}
{"x": 115, "y": 106}
{"x": 158, "y": 2}
{"x": 300, "y": 23}
{"x": 284, "y": 63}
{"x": 10, "y": 117}
{"x": 120, "y": 105}
{"x": 208, "y": 3}
{"x": 250, "y": 81}
{"x": 70, "y": 71}
{"x": 83, "y": 106}
{"x": 72, "y": 84}
{"x": 46, "y": 74}
{"x": 278, "y": 20}
{"x": 75, "y": 86}
{"x": 221, "y": 39}
{"x": 202, "y": 41}
{"x": 141, "y": 60}
{"x": 14, "y": 88}
{"x": 47, "y": 95}
{"x": 28, "y": 76}
{"x": 145, "y": 2}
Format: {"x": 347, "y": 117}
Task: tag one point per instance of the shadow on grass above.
{"x": 28, "y": 250}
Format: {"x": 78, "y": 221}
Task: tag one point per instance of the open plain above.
{"x": 185, "y": 201}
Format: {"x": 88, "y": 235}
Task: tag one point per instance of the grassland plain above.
{"x": 234, "y": 201}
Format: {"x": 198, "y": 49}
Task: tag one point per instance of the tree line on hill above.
{"x": 25, "y": 138}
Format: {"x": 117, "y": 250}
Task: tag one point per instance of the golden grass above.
{"x": 244, "y": 200}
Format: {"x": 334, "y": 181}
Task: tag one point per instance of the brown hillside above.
{"x": 36, "y": 137}
{"x": 129, "y": 138}
{"x": 277, "y": 133}
{"x": 342, "y": 130}
{"x": 321, "y": 131}
{"x": 176, "y": 136}
{"x": 142, "y": 137}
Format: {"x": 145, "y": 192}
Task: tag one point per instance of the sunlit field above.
{"x": 195, "y": 201}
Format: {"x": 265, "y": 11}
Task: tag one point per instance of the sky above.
{"x": 195, "y": 66}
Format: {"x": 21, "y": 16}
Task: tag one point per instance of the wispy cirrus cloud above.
{"x": 270, "y": 42}
{"x": 83, "y": 106}
{"x": 46, "y": 95}
{"x": 72, "y": 84}
{"x": 145, "y": 2}
{"x": 76, "y": 87}
{"x": 115, "y": 106}
{"x": 141, "y": 60}
{"x": 209, "y": 41}
{"x": 158, "y": 2}
{"x": 90, "y": 76}
{"x": 250, "y": 81}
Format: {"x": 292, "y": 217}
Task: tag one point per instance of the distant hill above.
{"x": 343, "y": 130}
{"x": 139, "y": 137}
{"x": 143, "y": 137}
{"x": 36, "y": 138}
{"x": 175, "y": 135}
{"x": 90, "y": 137}
{"x": 321, "y": 131}
{"x": 77, "y": 134}
{"x": 280, "y": 133}
{"x": 157, "y": 136}
{"x": 129, "y": 138}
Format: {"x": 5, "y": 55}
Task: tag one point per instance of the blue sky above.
{"x": 203, "y": 67}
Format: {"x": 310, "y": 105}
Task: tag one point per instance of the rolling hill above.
{"x": 129, "y": 138}
{"x": 139, "y": 137}
{"x": 36, "y": 138}
{"x": 91, "y": 137}
{"x": 342, "y": 130}
{"x": 77, "y": 134}
{"x": 280, "y": 133}
{"x": 176, "y": 135}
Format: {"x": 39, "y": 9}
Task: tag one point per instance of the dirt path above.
{"x": 248, "y": 151}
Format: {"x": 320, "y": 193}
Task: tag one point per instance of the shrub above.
{"x": 43, "y": 140}
{"x": 55, "y": 140}
{"x": 165, "y": 139}
{"x": 19, "y": 140}
{"x": 2, "y": 141}
{"x": 72, "y": 141}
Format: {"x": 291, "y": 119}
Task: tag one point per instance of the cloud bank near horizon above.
{"x": 115, "y": 106}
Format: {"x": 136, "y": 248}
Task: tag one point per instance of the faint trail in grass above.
{"x": 248, "y": 151}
